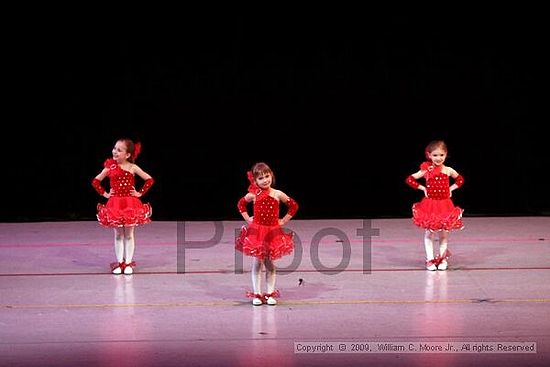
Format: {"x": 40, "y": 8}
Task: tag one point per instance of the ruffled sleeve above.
{"x": 426, "y": 166}
{"x": 430, "y": 169}
{"x": 109, "y": 163}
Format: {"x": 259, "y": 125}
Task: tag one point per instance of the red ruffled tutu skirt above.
{"x": 264, "y": 242}
{"x": 437, "y": 215}
{"x": 124, "y": 211}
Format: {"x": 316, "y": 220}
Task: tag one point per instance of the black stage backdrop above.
{"x": 340, "y": 107}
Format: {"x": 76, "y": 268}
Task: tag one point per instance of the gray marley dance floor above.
{"x": 355, "y": 293}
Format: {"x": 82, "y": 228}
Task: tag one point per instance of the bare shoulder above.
{"x": 279, "y": 195}
{"x": 133, "y": 168}
{"x": 104, "y": 172}
{"x": 136, "y": 170}
{"x": 450, "y": 171}
{"x": 419, "y": 174}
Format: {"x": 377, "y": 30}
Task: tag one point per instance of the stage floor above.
{"x": 358, "y": 285}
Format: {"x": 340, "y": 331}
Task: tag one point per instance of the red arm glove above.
{"x": 146, "y": 186}
{"x": 97, "y": 186}
{"x": 459, "y": 181}
{"x": 292, "y": 206}
{"x": 411, "y": 181}
{"x": 241, "y": 205}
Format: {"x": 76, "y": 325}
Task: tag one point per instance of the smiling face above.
{"x": 437, "y": 156}
{"x": 263, "y": 175}
{"x": 120, "y": 152}
{"x": 264, "y": 180}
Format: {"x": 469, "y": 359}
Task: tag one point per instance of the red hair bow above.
{"x": 137, "y": 150}
{"x": 253, "y": 188}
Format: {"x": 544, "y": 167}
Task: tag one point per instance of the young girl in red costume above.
{"x": 436, "y": 212}
{"x": 123, "y": 210}
{"x": 263, "y": 238}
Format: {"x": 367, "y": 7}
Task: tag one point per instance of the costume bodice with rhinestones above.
{"x": 437, "y": 186}
{"x": 121, "y": 181}
{"x": 266, "y": 210}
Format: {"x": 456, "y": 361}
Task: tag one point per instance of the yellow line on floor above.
{"x": 281, "y": 303}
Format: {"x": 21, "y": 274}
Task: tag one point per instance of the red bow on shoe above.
{"x": 120, "y": 265}
{"x": 439, "y": 258}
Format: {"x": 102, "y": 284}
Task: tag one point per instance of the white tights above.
{"x": 270, "y": 275}
{"x": 124, "y": 244}
{"x": 429, "y": 237}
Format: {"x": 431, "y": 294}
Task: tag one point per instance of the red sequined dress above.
{"x": 264, "y": 238}
{"x": 437, "y": 212}
{"x": 122, "y": 209}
